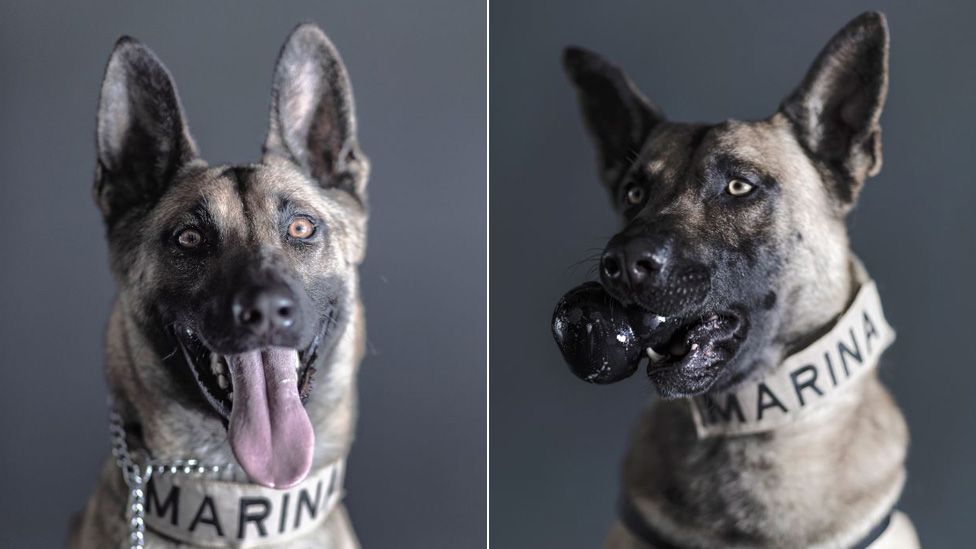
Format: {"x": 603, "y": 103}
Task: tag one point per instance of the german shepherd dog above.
{"x": 238, "y": 328}
{"x": 734, "y": 255}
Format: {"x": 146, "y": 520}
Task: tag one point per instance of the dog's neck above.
{"x": 816, "y": 299}
{"x": 695, "y": 489}
{"x": 805, "y": 381}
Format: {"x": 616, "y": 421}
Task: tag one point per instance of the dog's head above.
{"x": 735, "y": 232}
{"x": 245, "y": 276}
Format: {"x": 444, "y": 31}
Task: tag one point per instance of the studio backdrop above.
{"x": 557, "y": 443}
{"x": 416, "y": 474}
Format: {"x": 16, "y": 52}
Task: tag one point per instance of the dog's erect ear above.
{"x": 616, "y": 114}
{"x": 142, "y": 137}
{"x": 313, "y": 119}
{"x": 836, "y": 109}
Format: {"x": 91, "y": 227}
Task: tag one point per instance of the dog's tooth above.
{"x": 654, "y": 355}
{"x": 661, "y": 319}
{"x": 222, "y": 381}
{"x": 230, "y": 395}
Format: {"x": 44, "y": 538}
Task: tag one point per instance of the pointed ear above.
{"x": 617, "y": 116}
{"x": 313, "y": 119}
{"x": 142, "y": 137}
{"x": 836, "y": 109}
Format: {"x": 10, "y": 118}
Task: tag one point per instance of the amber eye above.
{"x": 634, "y": 195}
{"x": 301, "y": 228}
{"x": 189, "y": 238}
{"x": 738, "y": 187}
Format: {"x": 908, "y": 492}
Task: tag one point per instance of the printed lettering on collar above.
{"x": 214, "y": 513}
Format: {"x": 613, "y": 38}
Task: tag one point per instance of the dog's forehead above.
{"x": 199, "y": 193}
{"x": 679, "y": 153}
{"x": 234, "y": 197}
{"x": 669, "y": 151}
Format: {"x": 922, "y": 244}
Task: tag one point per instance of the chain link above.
{"x": 137, "y": 476}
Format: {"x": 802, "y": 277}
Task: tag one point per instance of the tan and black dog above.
{"x": 238, "y": 328}
{"x": 733, "y": 258}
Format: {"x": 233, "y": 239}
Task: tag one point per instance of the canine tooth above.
{"x": 694, "y": 346}
{"x": 661, "y": 319}
{"x": 222, "y": 381}
{"x": 654, "y": 355}
{"x": 230, "y": 395}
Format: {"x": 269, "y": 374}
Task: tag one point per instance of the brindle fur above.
{"x": 149, "y": 180}
{"x": 826, "y": 480}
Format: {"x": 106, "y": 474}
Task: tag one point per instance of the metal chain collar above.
{"x": 136, "y": 476}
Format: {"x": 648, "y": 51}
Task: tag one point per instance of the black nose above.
{"x": 630, "y": 262}
{"x": 264, "y": 310}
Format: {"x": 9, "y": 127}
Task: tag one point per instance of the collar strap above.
{"x": 204, "y": 512}
{"x": 633, "y": 520}
{"x": 804, "y": 381}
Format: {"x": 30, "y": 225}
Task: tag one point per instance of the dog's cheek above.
{"x": 327, "y": 302}
{"x": 353, "y": 238}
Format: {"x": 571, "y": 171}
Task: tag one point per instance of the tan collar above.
{"x": 201, "y": 511}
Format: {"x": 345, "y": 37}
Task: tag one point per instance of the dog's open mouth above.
{"x": 261, "y": 395}
{"x": 706, "y": 341}
{"x": 605, "y": 341}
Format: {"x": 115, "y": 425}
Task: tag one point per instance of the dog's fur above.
{"x": 150, "y": 183}
{"x": 780, "y": 257}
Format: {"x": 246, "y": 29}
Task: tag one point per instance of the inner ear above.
{"x": 313, "y": 119}
{"x": 618, "y": 117}
{"x": 836, "y": 109}
{"x": 142, "y": 137}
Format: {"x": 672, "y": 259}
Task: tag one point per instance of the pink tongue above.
{"x": 269, "y": 429}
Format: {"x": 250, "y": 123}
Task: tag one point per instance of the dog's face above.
{"x": 735, "y": 232}
{"x": 249, "y": 271}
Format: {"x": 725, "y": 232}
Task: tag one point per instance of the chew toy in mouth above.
{"x": 604, "y": 341}
{"x": 260, "y": 393}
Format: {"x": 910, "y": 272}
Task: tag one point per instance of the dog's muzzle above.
{"x": 646, "y": 270}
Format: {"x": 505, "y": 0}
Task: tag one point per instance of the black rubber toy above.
{"x": 596, "y": 334}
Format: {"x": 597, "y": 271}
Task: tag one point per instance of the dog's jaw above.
{"x": 696, "y": 355}
{"x": 269, "y": 431}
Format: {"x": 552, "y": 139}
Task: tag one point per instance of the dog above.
{"x": 238, "y": 328}
{"x": 734, "y": 263}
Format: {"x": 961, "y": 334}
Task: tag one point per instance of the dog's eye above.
{"x": 634, "y": 195}
{"x": 301, "y": 228}
{"x": 189, "y": 238}
{"x": 738, "y": 187}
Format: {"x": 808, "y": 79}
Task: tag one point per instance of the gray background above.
{"x": 556, "y": 442}
{"x": 417, "y": 470}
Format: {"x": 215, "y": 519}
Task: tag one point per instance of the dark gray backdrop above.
{"x": 417, "y": 470}
{"x": 556, "y": 442}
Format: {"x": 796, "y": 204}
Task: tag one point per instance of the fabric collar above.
{"x": 219, "y": 513}
{"x": 804, "y": 381}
